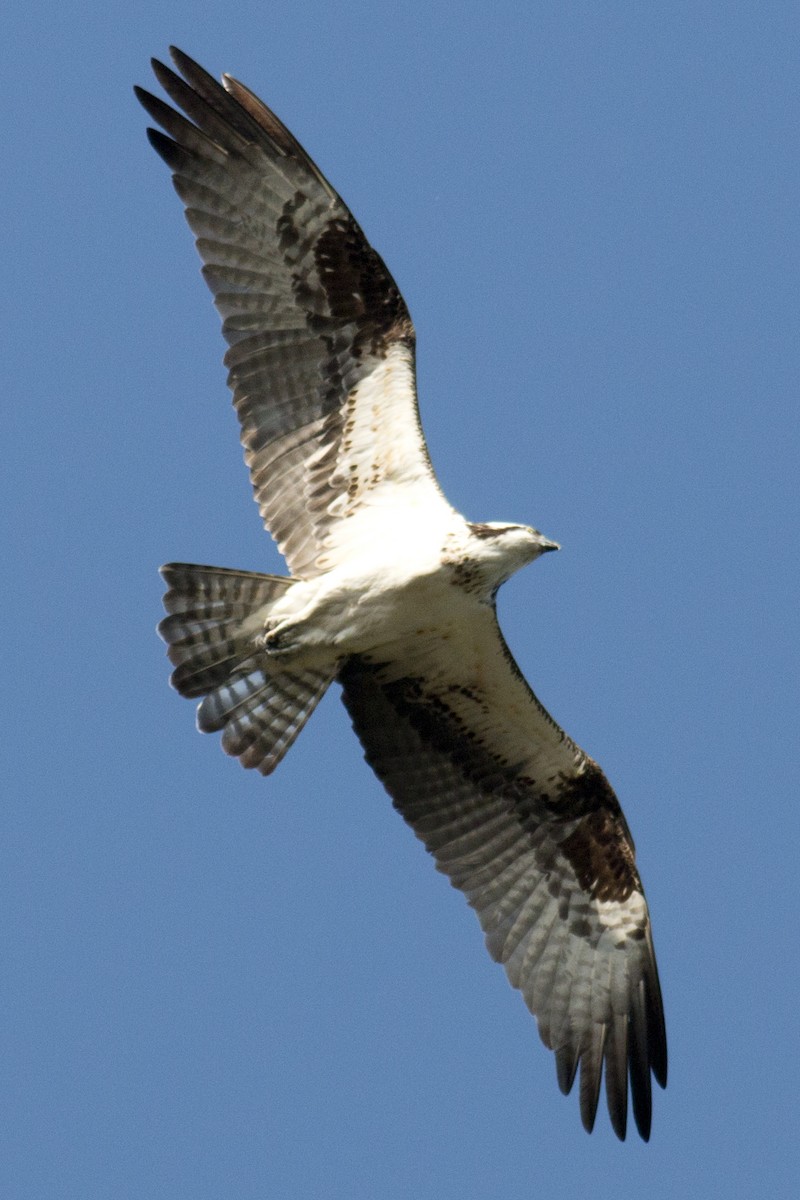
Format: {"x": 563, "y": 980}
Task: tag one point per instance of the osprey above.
{"x": 392, "y": 594}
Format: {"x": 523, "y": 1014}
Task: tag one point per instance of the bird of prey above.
{"x": 392, "y": 594}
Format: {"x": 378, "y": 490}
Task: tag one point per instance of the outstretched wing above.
{"x": 321, "y": 357}
{"x": 527, "y": 826}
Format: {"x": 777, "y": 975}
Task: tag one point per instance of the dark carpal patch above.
{"x": 359, "y": 288}
{"x": 602, "y": 857}
{"x": 589, "y": 792}
{"x": 600, "y": 848}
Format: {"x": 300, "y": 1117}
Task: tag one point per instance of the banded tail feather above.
{"x": 214, "y": 617}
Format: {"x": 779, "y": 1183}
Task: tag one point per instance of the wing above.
{"x": 527, "y": 826}
{"x": 321, "y": 345}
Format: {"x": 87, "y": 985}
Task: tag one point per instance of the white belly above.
{"x": 356, "y": 608}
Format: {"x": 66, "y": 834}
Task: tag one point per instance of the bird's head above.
{"x": 504, "y": 548}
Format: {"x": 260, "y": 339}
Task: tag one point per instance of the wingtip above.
{"x": 588, "y": 1119}
{"x": 566, "y": 1068}
{"x": 181, "y": 60}
{"x": 163, "y": 146}
{"x": 643, "y": 1128}
{"x": 164, "y": 74}
{"x": 150, "y": 103}
{"x": 189, "y": 68}
{"x": 618, "y": 1114}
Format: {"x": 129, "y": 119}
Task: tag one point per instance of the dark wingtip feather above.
{"x": 656, "y": 1028}
{"x": 619, "y": 1119}
{"x": 616, "y": 1072}
{"x": 199, "y": 82}
{"x": 219, "y": 115}
{"x": 172, "y": 154}
{"x": 641, "y": 1091}
{"x": 161, "y": 70}
{"x": 591, "y": 1074}
{"x": 567, "y": 1059}
{"x": 589, "y": 1109}
{"x": 642, "y": 1121}
{"x": 189, "y": 68}
{"x": 153, "y": 105}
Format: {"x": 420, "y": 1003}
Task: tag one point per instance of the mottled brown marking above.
{"x": 442, "y": 727}
{"x": 466, "y": 575}
{"x": 460, "y": 689}
{"x": 465, "y": 572}
{"x": 287, "y": 227}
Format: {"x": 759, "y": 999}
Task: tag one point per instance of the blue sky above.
{"x": 217, "y": 986}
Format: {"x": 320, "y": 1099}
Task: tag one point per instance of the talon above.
{"x": 276, "y": 641}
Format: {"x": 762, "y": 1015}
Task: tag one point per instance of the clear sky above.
{"x": 219, "y": 987}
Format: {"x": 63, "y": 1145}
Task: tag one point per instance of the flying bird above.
{"x": 392, "y": 594}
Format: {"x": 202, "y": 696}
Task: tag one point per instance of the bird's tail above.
{"x": 215, "y": 615}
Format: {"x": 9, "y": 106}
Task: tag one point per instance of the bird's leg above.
{"x": 283, "y": 638}
{"x": 308, "y": 634}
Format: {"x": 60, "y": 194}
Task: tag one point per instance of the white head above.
{"x": 502, "y": 549}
